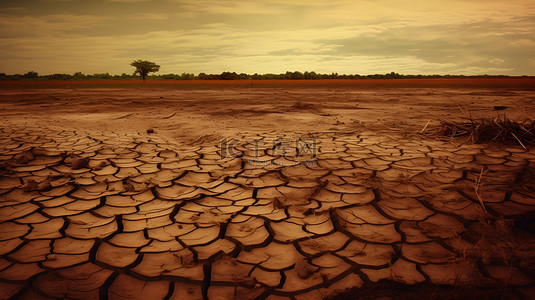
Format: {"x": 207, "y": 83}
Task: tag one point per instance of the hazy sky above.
{"x": 212, "y": 36}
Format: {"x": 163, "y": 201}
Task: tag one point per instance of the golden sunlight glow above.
{"x": 356, "y": 37}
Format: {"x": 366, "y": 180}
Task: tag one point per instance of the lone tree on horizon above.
{"x": 144, "y": 67}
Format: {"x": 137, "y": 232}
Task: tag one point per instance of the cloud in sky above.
{"x": 358, "y": 37}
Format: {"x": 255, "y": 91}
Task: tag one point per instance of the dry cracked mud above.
{"x": 87, "y": 214}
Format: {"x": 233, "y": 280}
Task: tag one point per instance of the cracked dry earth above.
{"x": 87, "y": 215}
{"x": 130, "y": 217}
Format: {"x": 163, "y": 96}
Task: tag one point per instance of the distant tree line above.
{"x": 224, "y": 76}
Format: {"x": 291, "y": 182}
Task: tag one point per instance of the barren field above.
{"x": 263, "y": 190}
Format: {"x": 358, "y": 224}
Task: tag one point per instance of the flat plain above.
{"x": 263, "y": 190}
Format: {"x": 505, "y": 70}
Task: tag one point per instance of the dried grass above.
{"x": 500, "y": 129}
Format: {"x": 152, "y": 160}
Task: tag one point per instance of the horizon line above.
{"x": 389, "y": 75}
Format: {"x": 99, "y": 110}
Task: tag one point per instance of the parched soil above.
{"x": 189, "y": 110}
{"x": 263, "y": 190}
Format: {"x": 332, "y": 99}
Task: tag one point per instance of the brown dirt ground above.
{"x": 186, "y": 111}
{"x": 204, "y": 112}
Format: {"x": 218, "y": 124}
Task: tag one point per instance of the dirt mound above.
{"x": 304, "y": 106}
